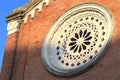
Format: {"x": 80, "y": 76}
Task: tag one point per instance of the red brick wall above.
{"x": 28, "y": 64}
{"x": 9, "y": 57}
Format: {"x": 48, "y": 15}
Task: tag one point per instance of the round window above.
{"x": 77, "y": 39}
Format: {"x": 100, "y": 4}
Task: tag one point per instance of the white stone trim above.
{"x": 13, "y": 26}
{"x": 32, "y": 11}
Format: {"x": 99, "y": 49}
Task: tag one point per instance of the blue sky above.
{"x": 6, "y": 7}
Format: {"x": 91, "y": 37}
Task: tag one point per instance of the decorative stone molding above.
{"x": 77, "y": 39}
{"x": 31, "y": 11}
{"x": 22, "y": 13}
{"x": 13, "y": 26}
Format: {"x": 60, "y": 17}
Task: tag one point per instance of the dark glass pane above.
{"x": 79, "y": 49}
{"x": 72, "y": 43}
{"x": 72, "y": 47}
{"x": 75, "y": 49}
{"x": 85, "y": 32}
{"x": 76, "y": 35}
{"x": 80, "y": 33}
{"x": 88, "y": 38}
{"x": 87, "y": 43}
{"x": 73, "y": 39}
{"x": 84, "y": 47}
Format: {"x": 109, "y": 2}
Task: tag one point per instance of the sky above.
{"x": 6, "y": 7}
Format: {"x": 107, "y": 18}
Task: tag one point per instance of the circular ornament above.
{"x": 77, "y": 39}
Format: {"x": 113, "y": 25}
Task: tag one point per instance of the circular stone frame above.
{"x": 53, "y": 53}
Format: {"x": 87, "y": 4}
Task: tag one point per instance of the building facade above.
{"x": 63, "y": 40}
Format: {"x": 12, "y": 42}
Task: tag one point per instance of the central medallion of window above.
{"x": 77, "y": 39}
{"x": 80, "y": 41}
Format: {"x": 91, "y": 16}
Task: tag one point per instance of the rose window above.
{"x": 77, "y": 39}
{"x": 80, "y": 41}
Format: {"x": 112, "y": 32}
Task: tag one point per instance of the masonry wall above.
{"x": 9, "y": 56}
{"x": 27, "y": 62}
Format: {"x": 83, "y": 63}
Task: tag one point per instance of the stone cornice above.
{"x": 21, "y": 10}
{"x": 28, "y": 8}
{"x": 37, "y": 5}
{"x": 14, "y": 21}
{"x": 22, "y": 13}
{"x": 14, "y": 16}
